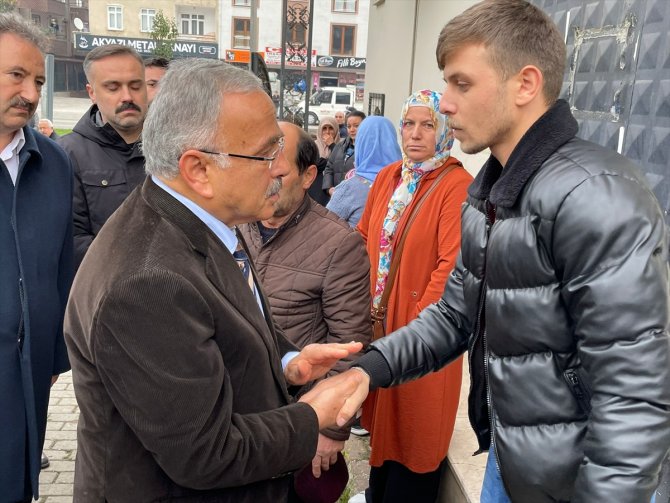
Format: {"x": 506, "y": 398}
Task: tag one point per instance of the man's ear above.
{"x": 194, "y": 168}
{"x": 530, "y": 82}
{"x": 308, "y": 176}
{"x": 91, "y": 92}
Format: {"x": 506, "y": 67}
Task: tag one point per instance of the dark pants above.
{"x": 395, "y": 483}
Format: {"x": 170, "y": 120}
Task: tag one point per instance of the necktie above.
{"x": 245, "y": 267}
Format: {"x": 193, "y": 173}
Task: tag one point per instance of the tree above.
{"x": 164, "y": 33}
{"x": 7, "y": 5}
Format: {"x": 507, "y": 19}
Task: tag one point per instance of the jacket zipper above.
{"x": 490, "y": 215}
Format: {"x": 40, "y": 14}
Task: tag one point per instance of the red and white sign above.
{"x": 293, "y": 57}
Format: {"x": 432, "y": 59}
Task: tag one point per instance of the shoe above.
{"x": 358, "y": 498}
{"x": 45, "y": 462}
{"x": 358, "y": 430}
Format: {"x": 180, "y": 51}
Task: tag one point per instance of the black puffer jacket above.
{"x": 561, "y": 297}
{"x": 338, "y": 164}
{"x": 106, "y": 170}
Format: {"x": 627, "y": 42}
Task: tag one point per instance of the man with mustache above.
{"x": 313, "y": 266}
{"x": 180, "y": 373}
{"x": 104, "y": 145}
{"x": 35, "y": 260}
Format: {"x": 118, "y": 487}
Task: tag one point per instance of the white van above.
{"x": 329, "y": 100}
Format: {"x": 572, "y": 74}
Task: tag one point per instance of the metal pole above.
{"x": 253, "y": 43}
{"x": 308, "y": 74}
{"x": 47, "y": 98}
{"x": 284, "y": 10}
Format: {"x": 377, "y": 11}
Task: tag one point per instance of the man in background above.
{"x": 35, "y": 260}
{"x": 46, "y": 127}
{"x": 154, "y": 69}
{"x": 312, "y": 265}
{"x": 104, "y": 144}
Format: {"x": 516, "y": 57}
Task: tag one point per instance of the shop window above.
{"x": 343, "y": 40}
{"x": 242, "y": 3}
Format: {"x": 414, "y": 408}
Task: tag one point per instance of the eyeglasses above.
{"x": 280, "y": 147}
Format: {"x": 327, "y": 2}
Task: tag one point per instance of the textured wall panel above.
{"x": 617, "y": 78}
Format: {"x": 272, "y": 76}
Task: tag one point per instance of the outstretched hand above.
{"x": 337, "y": 399}
{"x": 317, "y": 359}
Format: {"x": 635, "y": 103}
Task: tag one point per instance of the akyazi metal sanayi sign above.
{"x": 182, "y": 48}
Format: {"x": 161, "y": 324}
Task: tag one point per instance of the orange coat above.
{"x": 413, "y": 423}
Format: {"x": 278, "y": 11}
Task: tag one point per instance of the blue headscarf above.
{"x": 376, "y": 146}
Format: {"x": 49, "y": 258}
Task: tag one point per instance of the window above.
{"x": 36, "y": 19}
{"x": 114, "y": 17}
{"x": 343, "y": 99}
{"x": 342, "y": 40}
{"x": 242, "y": 3}
{"x": 147, "y": 19}
{"x": 193, "y": 24}
{"x": 241, "y": 32}
{"x": 345, "y": 5}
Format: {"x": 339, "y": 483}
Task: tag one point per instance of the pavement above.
{"x": 68, "y": 111}
{"x": 60, "y": 446}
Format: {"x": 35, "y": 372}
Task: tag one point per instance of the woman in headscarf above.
{"x": 341, "y": 161}
{"x": 376, "y": 147}
{"x": 411, "y": 425}
{"x": 327, "y": 137}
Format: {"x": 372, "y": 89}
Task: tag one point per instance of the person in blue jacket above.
{"x": 35, "y": 260}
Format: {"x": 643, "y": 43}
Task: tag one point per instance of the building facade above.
{"x": 59, "y": 19}
{"x": 130, "y": 22}
{"x": 339, "y": 37}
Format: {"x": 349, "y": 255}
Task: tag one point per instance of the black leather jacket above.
{"x": 106, "y": 170}
{"x": 561, "y": 297}
{"x": 338, "y": 164}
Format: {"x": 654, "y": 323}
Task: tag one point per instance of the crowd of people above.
{"x": 233, "y": 296}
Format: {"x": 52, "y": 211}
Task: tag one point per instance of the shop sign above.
{"x": 183, "y": 48}
{"x": 293, "y": 57}
{"x": 340, "y": 62}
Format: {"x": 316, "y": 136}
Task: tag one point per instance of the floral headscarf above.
{"x": 323, "y": 149}
{"x": 410, "y": 176}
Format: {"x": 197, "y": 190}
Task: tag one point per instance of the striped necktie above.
{"x": 245, "y": 267}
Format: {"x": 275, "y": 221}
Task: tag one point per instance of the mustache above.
{"x": 274, "y": 188}
{"x": 129, "y": 105}
{"x": 23, "y": 103}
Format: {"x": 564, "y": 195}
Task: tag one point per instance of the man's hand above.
{"x": 54, "y": 378}
{"x": 317, "y": 359}
{"x": 336, "y": 399}
{"x": 326, "y": 454}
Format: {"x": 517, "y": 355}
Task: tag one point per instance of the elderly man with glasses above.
{"x": 179, "y": 371}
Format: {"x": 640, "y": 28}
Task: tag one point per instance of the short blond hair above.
{"x": 515, "y": 34}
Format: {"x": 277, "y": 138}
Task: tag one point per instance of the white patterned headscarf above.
{"x": 410, "y": 175}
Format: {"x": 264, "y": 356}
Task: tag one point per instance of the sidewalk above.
{"x": 68, "y": 111}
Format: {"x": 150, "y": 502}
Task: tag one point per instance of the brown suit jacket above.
{"x": 176, "y": 370}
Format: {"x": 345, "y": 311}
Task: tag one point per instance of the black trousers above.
{"x": 395, "y": 483}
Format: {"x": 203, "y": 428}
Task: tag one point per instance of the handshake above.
{"x": 336, "y": 399}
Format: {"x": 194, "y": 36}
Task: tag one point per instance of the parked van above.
{"x": 329, "y": 100}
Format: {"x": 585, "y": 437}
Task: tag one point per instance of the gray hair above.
{"x": 105, "y": 51}
{"x": 47, "y": 121}
{"x": 185, "y": 113}
{"x": 14, "y": 24}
